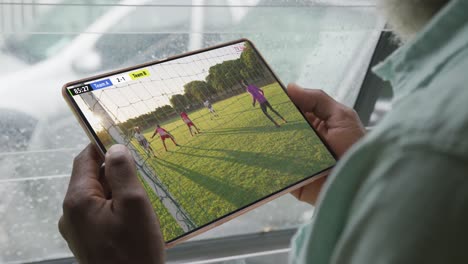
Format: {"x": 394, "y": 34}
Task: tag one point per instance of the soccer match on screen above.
{"x": 211, "y": 133}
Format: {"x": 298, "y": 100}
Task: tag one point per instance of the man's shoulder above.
{"x": 413, "y": 186}
{"x": 434, "y": 114}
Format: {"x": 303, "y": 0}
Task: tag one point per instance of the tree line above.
{"x": 223, "y": 79}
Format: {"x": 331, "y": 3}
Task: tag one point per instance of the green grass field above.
{"x": 170, "y": 227}
{"x": 238, "y": 158}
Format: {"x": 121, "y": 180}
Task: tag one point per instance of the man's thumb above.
{"x": 313, "y": 101}
{"x": 121, "y": 174}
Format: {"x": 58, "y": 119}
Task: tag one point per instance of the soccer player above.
{"x": 259, "y": 95}
{"x": 208, "y": 105}
{"x": 143, "y": 142}
{"x": 189, "y": 123}
{"x": 164, "y": 134}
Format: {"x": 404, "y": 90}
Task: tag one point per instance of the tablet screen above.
{"x": 212, "y": 132}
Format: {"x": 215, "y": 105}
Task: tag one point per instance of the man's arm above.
{"x": 412, "y": 209}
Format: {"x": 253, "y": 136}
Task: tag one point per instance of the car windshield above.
{"x": 324, "y": 44}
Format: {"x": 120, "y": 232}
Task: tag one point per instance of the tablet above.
{"x": 213, "y": 133}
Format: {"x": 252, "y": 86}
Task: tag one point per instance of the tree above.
{"x": 222, "y": 77}
{"x": 215, "y": 78}
{"x": 246, "y": 74}
{"x": 254, "y": 67}
{"x": 249, "y": 57}
{"x": 198, "y": 90}
{"x": 179, "y": 102}
{"x": 232, "y": 72}
{"x": 163, "y": 112}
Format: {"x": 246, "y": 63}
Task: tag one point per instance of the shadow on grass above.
{"x": 294, "y": 125}
{"x": 234, "y": 194}
{"x": 276, "y": 162}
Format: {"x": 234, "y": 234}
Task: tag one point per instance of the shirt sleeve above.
{"x": 413, "y": 208}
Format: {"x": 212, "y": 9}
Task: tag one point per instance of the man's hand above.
{"x": 108, "y": 218}
{"x": 335, "y": 123}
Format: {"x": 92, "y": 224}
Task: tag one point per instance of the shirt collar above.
{"x": 420, "y": 59}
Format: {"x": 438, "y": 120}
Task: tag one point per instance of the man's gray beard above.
{"x": 408, "y": 17}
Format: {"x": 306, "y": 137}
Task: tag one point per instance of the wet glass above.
{"x": 44, "y": 44}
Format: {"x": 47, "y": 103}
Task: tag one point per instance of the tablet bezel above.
{"x": 217, "y": 222}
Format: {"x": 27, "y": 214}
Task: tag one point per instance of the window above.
{"x": 36, "y": 47}
{"x": 322, "y": 44}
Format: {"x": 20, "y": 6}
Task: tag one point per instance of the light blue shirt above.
{"x": 401, "y": 194}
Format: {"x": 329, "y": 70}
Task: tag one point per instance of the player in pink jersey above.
{"x": 164, "y": 134}
{"x": 259, "y": 96}
{"x": 189, "y": 123}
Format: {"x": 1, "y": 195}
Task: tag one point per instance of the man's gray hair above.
{"x": 407, "y": 17}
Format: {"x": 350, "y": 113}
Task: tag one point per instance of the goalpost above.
{"x": 133, "y": 103}
{"x": 167, "y": 199}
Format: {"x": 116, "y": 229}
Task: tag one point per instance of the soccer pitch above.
{"x": 238, "y": 158}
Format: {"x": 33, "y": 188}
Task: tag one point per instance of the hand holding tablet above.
{"x": 205, "y": 166}
{"x": 337, "y": 124}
